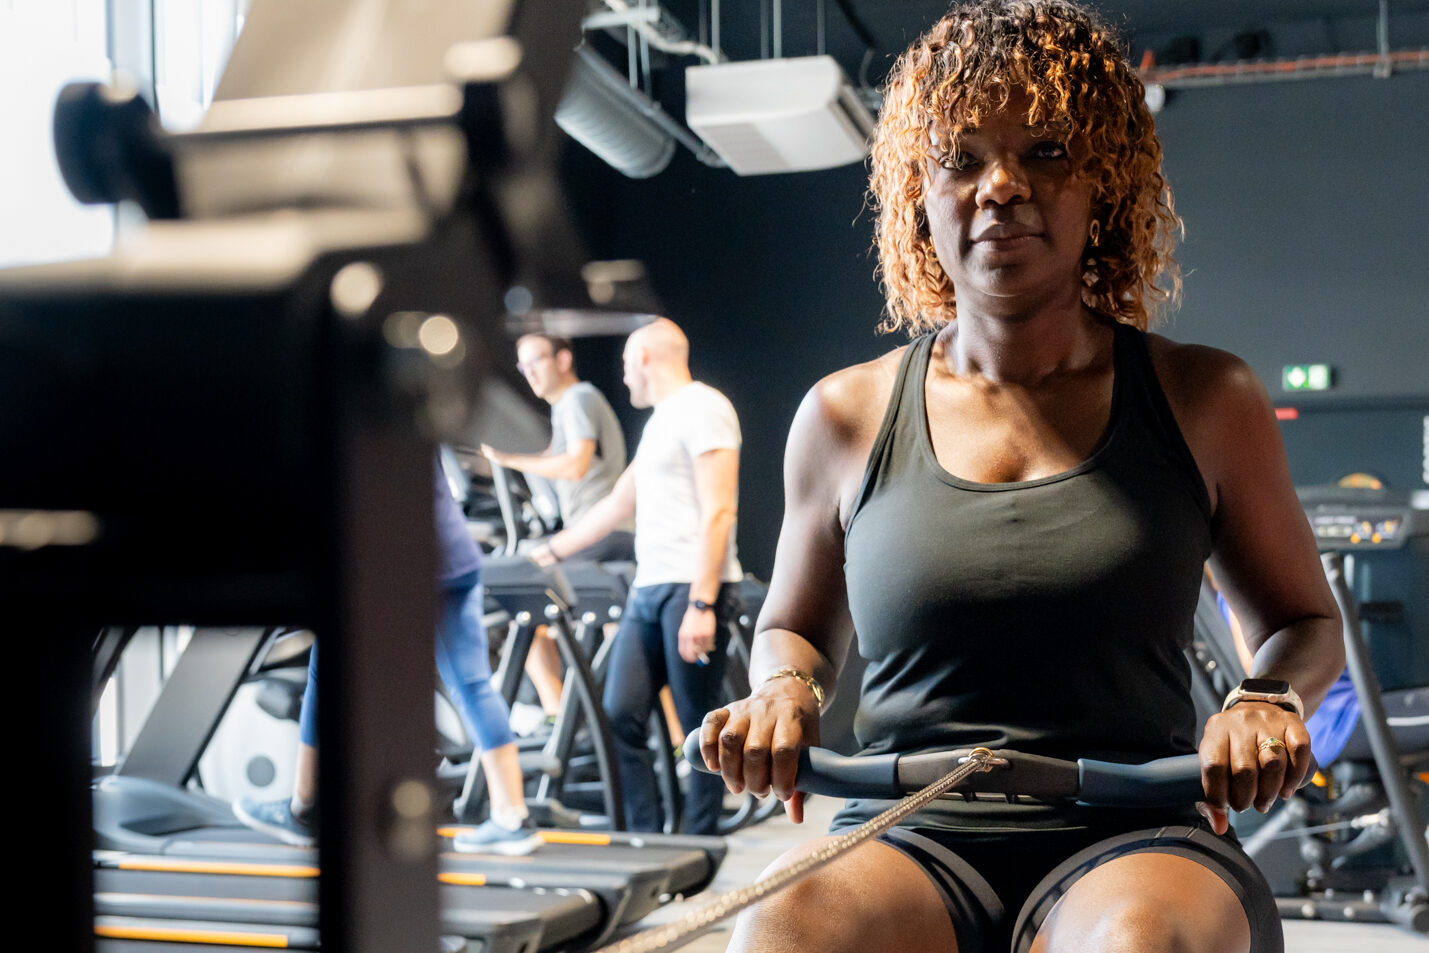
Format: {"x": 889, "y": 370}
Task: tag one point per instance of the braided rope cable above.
{"x": 671, "y": 935}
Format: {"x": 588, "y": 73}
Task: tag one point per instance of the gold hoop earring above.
{"x": 1094, "y": 233}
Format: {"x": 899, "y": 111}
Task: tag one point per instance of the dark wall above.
{"x": 1306, "y": 206}
{"x": 1305, "y": 203}
{"x": 772, "y": 279}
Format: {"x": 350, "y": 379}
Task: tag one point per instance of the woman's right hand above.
{"x": 755, "y": 742}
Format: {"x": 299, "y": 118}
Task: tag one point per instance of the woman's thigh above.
{"x": 1148, "y": 902}
{"x": 462, "y": 652}
{"x": 874, "y": 899}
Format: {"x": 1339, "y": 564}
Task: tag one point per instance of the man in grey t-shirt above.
{"x": 587, "y": 451}
{"x": 585, "y": 458}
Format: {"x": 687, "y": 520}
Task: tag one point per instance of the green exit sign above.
{"x": 1306, "y": 377}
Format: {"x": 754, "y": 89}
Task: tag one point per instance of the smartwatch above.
{"x": 1272, "y": 690}
{"x": 702, "y": 605}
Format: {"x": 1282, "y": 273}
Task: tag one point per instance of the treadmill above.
{"x": 262, "y": 904}
{"x": 578, "y": 598}
{"x": 148, "y": 820}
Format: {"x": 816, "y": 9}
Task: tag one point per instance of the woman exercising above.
{"x": 1013, "y": 512}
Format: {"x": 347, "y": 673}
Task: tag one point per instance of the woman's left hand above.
{"x": 1251, "y": 754}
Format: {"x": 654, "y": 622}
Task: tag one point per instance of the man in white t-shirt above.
{"x": 682, "y": 489}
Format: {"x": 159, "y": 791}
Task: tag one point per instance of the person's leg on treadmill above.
{"x": 543, "y": 667}
{"x": 697, "y": 688}
{"x": 632, "y": 682}
{"x": 293, "y": 820}
{"x": 465, "y": 669}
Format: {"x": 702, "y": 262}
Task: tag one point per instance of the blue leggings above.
{"x": 462, "y": 663}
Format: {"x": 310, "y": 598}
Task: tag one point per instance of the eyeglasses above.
{"x": 526, "y": 367}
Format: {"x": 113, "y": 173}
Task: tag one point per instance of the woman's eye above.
{"x": 1049, "y": 150}
{"x": 955, "y": 161}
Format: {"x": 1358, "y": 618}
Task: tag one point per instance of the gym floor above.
{"x": 753, "y": 848}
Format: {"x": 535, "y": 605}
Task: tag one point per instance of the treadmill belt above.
{"x": 692, "y": 860}
{"x": 507, "y": 919}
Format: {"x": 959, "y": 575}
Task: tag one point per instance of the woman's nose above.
{"x": 1002, "y": 183}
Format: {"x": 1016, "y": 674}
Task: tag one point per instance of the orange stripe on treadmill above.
{"x": 146, "y": 897}
{"x": 574, "y": 837}
{"x": 463, "y": 880}
{"x": 192, "y": 936}
{"x": 174, "y": 866}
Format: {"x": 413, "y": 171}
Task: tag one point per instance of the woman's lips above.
{"x": 1008, "y": 242}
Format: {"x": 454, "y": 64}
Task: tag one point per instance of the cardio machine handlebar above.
{"x": 1164, "y": 782}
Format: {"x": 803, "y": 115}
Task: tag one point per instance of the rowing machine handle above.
{"x": 1168, "y": 781}
{"x": 822, "y": 771}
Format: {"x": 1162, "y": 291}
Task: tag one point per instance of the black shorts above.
{"x": 997, "y": 891}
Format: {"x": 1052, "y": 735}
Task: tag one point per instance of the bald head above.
{"x": 656, "y": 362}
{"x": 663, "y": 341}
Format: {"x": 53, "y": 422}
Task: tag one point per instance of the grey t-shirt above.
{"x": 583, "y": 413}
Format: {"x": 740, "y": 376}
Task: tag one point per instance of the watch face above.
{"x": 1265, "y": 686}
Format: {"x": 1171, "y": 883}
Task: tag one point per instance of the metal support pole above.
{"x": 714, "y": 27}
{"x": 377, "y": 828}
{"x": 1372, "y": 714}
{"x": 1385, "y": 66}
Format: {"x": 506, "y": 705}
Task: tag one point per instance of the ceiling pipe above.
{"x": 1379, "y": 64}
{"x": 660, "y": 41}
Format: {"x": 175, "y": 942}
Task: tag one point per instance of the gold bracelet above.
{"x": 804, "y": 677}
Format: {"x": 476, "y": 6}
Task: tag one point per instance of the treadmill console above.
{"x": 1351, "y": 519}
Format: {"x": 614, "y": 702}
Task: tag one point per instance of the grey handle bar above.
{"x": 1164, "y": 782}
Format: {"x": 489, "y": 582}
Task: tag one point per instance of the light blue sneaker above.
{"x": 276, "y": 819}
{"x": 491, "y": 838}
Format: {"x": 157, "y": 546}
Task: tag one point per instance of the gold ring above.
{"x": 1270, "y": 744}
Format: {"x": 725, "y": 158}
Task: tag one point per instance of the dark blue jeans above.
{"x": 645, "y": 658}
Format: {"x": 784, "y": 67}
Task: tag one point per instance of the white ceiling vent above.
{"x": 789, "y": 115}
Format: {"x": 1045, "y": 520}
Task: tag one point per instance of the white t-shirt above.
{"x": 692, "y": 421}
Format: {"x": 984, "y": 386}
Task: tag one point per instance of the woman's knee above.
{"x": 1147, "y": 903}
{"x": 812, "y": 914}
{"x": 1132, "y": 925}
{"x": 874, "y": 900}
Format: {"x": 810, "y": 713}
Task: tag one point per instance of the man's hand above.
{"x": 492, "y": 454}
{"x": 697, "y": 635}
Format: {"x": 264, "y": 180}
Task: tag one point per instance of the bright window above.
{"x": 192, "y": 41}
{"x": 43, "y": 45}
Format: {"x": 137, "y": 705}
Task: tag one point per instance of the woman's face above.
{"x": 1008, "y": 217}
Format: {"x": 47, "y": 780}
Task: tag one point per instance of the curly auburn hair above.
{"x": 1072, "y": 69}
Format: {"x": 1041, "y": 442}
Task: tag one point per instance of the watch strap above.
{"x": 1287, "y": 699}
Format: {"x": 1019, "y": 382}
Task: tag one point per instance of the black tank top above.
{"x": 1047, "y": 616}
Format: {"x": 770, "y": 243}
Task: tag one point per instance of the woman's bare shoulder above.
{"x": 1221, "y": 408}
{"x": 851, "y": 401}
{"x": 1199, "y": 379}
{"x": 835, "y": 427}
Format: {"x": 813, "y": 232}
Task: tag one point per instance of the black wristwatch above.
{"x": 702, "y": 605}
